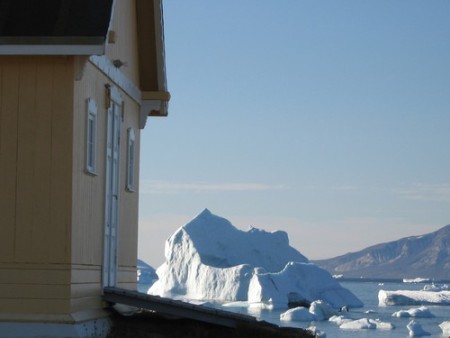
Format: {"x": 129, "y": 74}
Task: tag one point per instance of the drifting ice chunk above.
{"x": 300, "y": 283}
{"x": 384, "y": 325}
{"x": 416, "y": 330}
{"x": 365, "y": 323}
{"x": 408, "y": 297}
{"x": 322, "y": 310}
{"x": 416, "y": 280}
{"x": 339, "y": 320}
{"x": 445, "y": 327}
{"x": 359, "y": 324}
{"x": 316, "y": 332}
{"x": 420, "y": 312}
{"x": 435, "y": 287}
{"x": 298, "y": 314}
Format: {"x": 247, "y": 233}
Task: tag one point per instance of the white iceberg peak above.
{"x": 208, "y": 258}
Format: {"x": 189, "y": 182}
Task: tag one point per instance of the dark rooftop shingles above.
{"x": 55, "y": 18}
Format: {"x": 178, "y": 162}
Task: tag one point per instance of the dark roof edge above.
{"x": 52, "y": 40}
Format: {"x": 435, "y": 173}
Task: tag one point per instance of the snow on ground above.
{"x": 209, "y": 259}
{"x": 420, "y": 312}
{"x": 409, "y": 297}
{"x": 416, "y": 330}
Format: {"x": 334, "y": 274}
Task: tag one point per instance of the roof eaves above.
{"x": 45, "y": 45}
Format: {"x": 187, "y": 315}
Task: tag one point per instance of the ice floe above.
{"x": 445, "y": 327}
{"x": 416, "y": 330}
{"x": 420, "y": 312}
{"x": 409, "y": 297}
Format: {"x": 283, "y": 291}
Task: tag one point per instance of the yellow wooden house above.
{"x": 78, "y": 79}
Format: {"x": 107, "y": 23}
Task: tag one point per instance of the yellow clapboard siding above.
{"x": 25, "y": 162}
{"x": 9, "y": 88}
{"x": 88, "y": 223}
{"x": 42, "y": 165}
{"x": 86, "y": 303}
{"x": 35, "y": 306}
{"x": 86, "y": 290}
{"x": 30, "y": 291}
{"x": 87, "y": 275}
{"x": 35, "y": 274}
{"x": 61, "y": 159}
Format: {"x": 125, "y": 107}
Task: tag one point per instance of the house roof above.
{"x": 54, "y": 22}
{"x": 80, "y": 27}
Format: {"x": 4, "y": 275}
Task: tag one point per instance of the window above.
{"x": 130, "y": 159}
{"x": 91, "y": 137}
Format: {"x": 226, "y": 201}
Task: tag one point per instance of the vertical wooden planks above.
{"x": 25, "y": 161}
{"x": 9, "y": 88}
{"x": 61, "y": 159}
{"x": 41, "y": 251}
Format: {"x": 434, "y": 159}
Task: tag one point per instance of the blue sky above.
{"x": 327, "y": 119}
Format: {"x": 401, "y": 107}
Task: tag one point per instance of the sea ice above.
{"x": 208, "y": 258}
{"x": 416, "y": 330}
{"x": 298, "y": 314}
{"x": 316, "y": 332}
{"x": 366, "y": 323}
{"x": 339, "y": 320}
{"x": 420, "y": 312}
{"x": 445, "y": 327}
{"x": 300, "y": 283}
{"x": 322, "y": 310}
{"x": 409, "y": 297}
{"x": 416, "y": 280}
{"x": 359, "y": 324}
{"x": 435, "y": 287}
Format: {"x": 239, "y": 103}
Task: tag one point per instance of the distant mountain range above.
{"x": 426, "y": 256}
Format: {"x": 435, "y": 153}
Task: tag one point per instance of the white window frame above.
{"x": 91, "y": 137}
{"x": 131, "y": 159}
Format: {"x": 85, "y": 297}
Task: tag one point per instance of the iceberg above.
{"x": 339, "y": 320}
{"x": 366, "y": 323}
{"x": 420, "y": 312}
{"x": 435, "y": 287}
{"x": 416, "y": 330}
{"x": 298, "y": 314}
{"x": 359, "y": 324}
{"x": 416, "y": 280}
{"x": 209, "y": 259}
{"x": 316, "y": 332}
{"x": 300, "y": 283}
{"x": 322, "y": 310}
{"x": 409, "y": 297}
{"x": 445, "y": 327}
{"x": 318, "y": 311}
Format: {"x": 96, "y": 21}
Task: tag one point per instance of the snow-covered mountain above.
{"x": 209, "y": 259}
{"x": 426, "y": 256}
